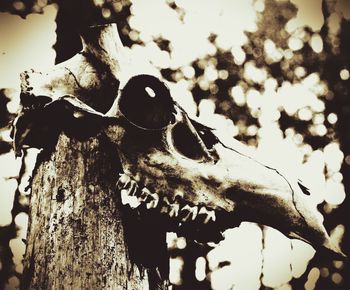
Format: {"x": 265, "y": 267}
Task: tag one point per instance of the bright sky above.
{"x": 25, "y": 44}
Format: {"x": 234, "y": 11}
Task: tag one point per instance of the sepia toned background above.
{"x": 274, "y": 74}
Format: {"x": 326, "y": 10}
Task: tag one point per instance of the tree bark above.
{"x": 79, "y": 235}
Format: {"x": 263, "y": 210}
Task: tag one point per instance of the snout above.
{"x": 263, "y": 195}
{"x": 191, "y": 172}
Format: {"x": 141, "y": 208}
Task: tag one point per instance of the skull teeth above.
{"x": 148, "y": 198}
{"x": 144, "y": 194}
{"x": 153, "y": 200}
{"x": 128, "y": 188}
{"x": 126, "y": 198}
{"x": 169, "y": 208}
{"x": 174, "y": 210}
{"x": 123, "y": 181}
{"x": 189, "y": 213}
{"x": 131, "y": 195}
{"x": 209, "y": 215}
{"x": 165, "y": 205}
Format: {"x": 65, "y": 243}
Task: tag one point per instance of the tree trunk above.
{"x": 80, "y": 236}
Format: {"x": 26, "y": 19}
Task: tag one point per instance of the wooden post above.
{"x": 79, "y": 235}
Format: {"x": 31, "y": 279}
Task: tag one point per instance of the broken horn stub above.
{"x": 43, "y": 118}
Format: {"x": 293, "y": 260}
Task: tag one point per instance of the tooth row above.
{"x": 128, "y": 188}
{"x": 151, "y": 199}
{"x": 187, "y": 212}
{"x": 130, "y": 194}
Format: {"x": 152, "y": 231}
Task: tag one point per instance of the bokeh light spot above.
{"x": 305, "y": 114}
{"x": 7, "y": 195}
{"x": 344, "y": 74}
{"x": 259, "y": 5}
{"x": 295, "y": 43}
{"x": 347, "y": 159}
{"x": 134, "y": 35}
{"x": 324, "y": 272}
{"x": 337, "y": 278}
{"x": 338, "y": 264}
{"x": 12, "y": 283}
{"x": 284, "y": 287}
{"x": 200, "y": 269}
{"x": 239, "y": 55}
{"x": 335, "y": 194}
{"x": 332, "y": 118}
{"x": 254, "y": 99}
{"x": 316, "y": 43}
{"x": 181, "y": 243}
{"x": 176, "y": 265}
{"x": 318, "y": 118}
{"x": 337, "y": 233}
{"x": 312, "y": 278}
{"x": 238, "y": 95}
{"x": 211, "y": 73}
{"x": 98, "y": 2}
{"x": 188, "y": 72}
{"x": 19, "y": 5}
{"x": 253, "y": 73}
{"x": 300, "y": 72}
{"x": 223, "y": 74}
{"x": 288, "y": 54}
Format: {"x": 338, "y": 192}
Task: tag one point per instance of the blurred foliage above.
{"x": 23, "y": 8}
{"x": 8, "y": 267}
{"x": 291, "y": 65}
{"x": 5, "y": 118}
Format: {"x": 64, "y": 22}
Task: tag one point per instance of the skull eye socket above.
{"x": 186, "y": 142}
{"x": 146, "y": 102}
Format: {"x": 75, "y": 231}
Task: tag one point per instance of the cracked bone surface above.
{"x": 178, "y": 160}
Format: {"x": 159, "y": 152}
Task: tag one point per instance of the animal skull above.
{"x": 179, "y": 168}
